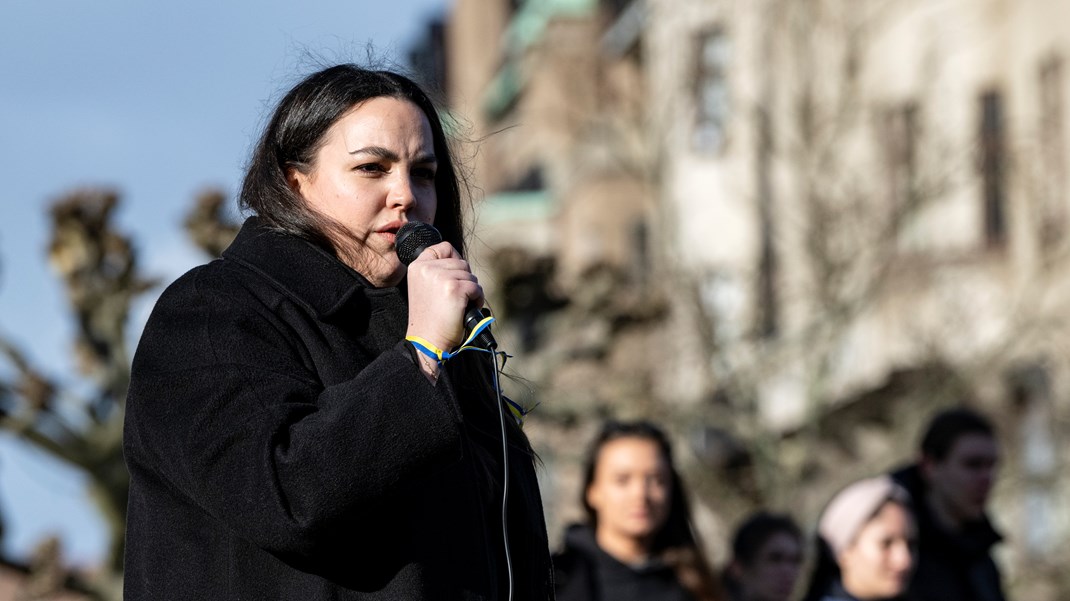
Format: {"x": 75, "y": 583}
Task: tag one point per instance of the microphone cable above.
{"x": 503, "y": 406}
{"x": 412, "y": 239}
{"x": 502, "y": 409}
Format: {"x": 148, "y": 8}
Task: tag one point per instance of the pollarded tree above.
{"x": 83, "y": 425}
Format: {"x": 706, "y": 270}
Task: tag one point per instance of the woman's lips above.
{"x": 390, "y": 230}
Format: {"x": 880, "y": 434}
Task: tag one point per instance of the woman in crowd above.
{"x": 866, "y": 544}
{"x": 767, "y": 554}
{"x": 638, "y": 543}
{"x": 285, "y": 438}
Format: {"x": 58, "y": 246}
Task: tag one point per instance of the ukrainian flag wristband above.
{"x": 429, "y": 349}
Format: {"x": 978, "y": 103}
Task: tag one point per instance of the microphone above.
{"x": 411, "y": 240}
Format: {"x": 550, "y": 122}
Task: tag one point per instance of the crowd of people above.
{"x": 302, "y": 423}
{"x": 920, "y": 533}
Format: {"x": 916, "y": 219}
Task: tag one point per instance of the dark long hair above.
{"x": 298, "y": 129}
{"x": 825, "y": 572}
{"x": 676, "y": 542}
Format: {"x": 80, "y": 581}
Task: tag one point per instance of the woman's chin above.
{"x": 642, "y": 531}
{"x": 381, "y": 272}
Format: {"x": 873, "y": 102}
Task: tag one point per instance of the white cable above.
{"x": 502, "y": 410}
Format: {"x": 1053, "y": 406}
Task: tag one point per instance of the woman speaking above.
{"x": 285, "y": 439}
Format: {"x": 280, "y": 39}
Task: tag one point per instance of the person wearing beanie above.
{"x": 866, "y": 544}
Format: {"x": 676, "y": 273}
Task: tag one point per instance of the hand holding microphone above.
{"x": 442, "y": 289}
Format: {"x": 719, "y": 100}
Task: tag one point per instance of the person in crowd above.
{"x": 866, "y": 544}
{"x": 285, "y": 439}
{"x": 638, "y": 542}
{"x": 767, "y": 556}
{"x": 950, "y": 484}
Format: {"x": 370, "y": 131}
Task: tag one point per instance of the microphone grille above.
{"x": 412, "y": 238}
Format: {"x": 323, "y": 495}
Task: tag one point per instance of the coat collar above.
{"x": 303, "y": 271}
{"x": 975, "y": 539}
{"x": 581, "y": 537}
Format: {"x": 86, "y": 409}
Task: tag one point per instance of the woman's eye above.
{"x": 424, "y": 173}
{"x": 371, "y": 168}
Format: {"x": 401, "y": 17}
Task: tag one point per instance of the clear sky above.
{"x": 157, "y": 100}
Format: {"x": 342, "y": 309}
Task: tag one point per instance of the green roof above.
{"x": 503, "y": 90}
{"x": 525, "y": 28}
{"x": 531, "y": 19}
{"x": 534, "y": 205}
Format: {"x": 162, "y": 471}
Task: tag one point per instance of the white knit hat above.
{"x": 854, "y": 506}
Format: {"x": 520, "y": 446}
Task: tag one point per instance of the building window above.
{"x": 1038, "y": 458}
{"x": 614, "y": 8}
{"x": 993, "y": 159}
{"x": 900, "y": 138}
{"x": 1053, "y": 200}
{"x": 768, "y": 301}
{"x": 711, "y": 91}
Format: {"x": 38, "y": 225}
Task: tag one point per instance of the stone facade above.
{"x": 788, "y": 230}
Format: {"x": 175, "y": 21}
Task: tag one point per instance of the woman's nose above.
{"x": 903, "y": 556}
{"x": 401, "y": 192}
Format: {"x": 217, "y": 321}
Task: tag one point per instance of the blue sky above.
{"x": 157, "y": 101}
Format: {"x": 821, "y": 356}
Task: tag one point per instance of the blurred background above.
{"x": 789, "y": 231}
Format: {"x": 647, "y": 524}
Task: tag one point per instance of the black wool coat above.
{"x": 283, "y": 444}
{"x": 951, "y": 566}
{"x": 584, "y": 572}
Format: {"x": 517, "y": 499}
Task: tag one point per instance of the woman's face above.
{"x": 774, "y": 570}
{"x": 374, "y": 171}
{"x": 879, "y": 563}
{"x": 631, "y": 489}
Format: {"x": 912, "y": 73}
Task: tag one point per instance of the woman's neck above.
{"x": 851, "y": 588}
{"x": 625, "y": 549}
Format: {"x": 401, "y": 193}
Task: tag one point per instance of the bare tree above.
{"x": 99, "y": 269}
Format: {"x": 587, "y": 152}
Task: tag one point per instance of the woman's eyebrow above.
{"x": 389, "y": 155}
{"x": 377, "y": 151}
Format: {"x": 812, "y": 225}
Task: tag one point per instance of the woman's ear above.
{"x": 592, "y": 497}
{"x": 296, "y": 180}
{"x": 845, "y": 559}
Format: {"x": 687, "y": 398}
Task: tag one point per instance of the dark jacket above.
{"x": 584, "y": 572}
{"x": 283, "y": 444}
{"x": 952, "y": 566}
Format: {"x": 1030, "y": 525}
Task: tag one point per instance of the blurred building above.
{"x": 806, "y": 223}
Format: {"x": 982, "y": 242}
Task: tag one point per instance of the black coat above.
{"x": 283, "y": 444}
{"x": 951, "y": 566}
{"x": 584, "y": 572}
